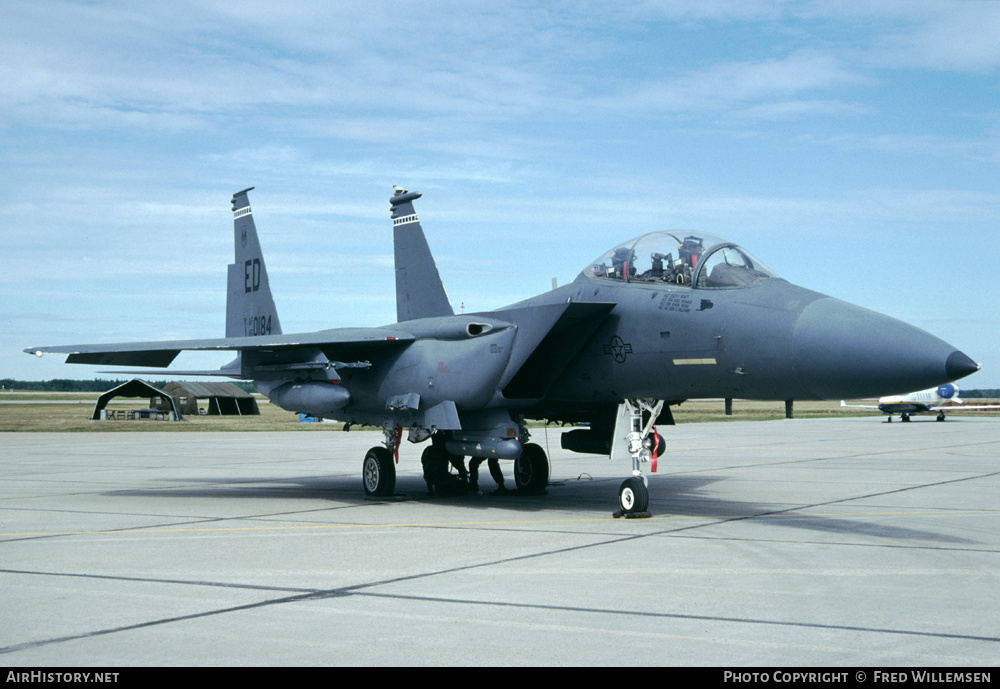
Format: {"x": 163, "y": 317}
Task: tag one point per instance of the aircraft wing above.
{"x": 160, "y": 354}
{"x": 858, "y": 406}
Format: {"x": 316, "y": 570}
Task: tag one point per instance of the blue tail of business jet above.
{"x": 419, "y": 291}
{"x": 250, "y": 308}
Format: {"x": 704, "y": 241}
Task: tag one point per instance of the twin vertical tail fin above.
{"x": 249, "y": 305}
{"x": 419, "y": 291}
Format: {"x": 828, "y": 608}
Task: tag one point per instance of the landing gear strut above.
{"x": 644, "y": 445}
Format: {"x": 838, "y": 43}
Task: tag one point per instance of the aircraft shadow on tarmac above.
{"x": 677, "y": 496}
{"x": 682, "y": 497}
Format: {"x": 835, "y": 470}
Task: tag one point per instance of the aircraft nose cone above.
{"x": 844, "y": 351}
{"x": 958, "y": 365}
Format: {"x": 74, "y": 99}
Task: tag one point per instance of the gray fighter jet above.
{"x": 658, "y": 319}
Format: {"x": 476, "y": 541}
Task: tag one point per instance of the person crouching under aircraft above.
{"x": 494, "y": 465}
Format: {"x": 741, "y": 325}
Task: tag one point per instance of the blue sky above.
{"x": 854, "y": 147}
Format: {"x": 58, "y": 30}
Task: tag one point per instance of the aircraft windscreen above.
{"x": 679, "y": 258}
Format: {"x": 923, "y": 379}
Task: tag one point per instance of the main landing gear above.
{"x": 531, "y": 468}
{"x": 378, "y": 473}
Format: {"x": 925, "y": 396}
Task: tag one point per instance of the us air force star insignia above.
{"x": 618, "y": 349}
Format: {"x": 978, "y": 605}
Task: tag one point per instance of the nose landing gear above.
{"x": 644, "y": 445}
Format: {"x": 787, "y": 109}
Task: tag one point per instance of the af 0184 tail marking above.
{"x": 250, "y": 308}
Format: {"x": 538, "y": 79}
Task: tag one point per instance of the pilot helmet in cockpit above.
{"x": 691, "y": 250}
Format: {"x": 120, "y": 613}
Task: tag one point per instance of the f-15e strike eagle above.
{"x": 665, "y": 317}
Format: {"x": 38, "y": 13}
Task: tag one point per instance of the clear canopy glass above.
{"x": 679, "y": 258}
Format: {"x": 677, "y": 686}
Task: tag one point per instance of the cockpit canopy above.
{"x": 679, "y": 258}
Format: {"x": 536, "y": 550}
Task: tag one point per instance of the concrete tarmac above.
{"x": 840, "y": 542}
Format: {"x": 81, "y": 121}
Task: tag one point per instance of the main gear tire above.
{"x": 531, "y": 469}
{"x": 378, "y": 473}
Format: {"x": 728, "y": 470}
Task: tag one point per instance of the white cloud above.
{"x": 951, "y": 36}
{"x": 765, "y": 85}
